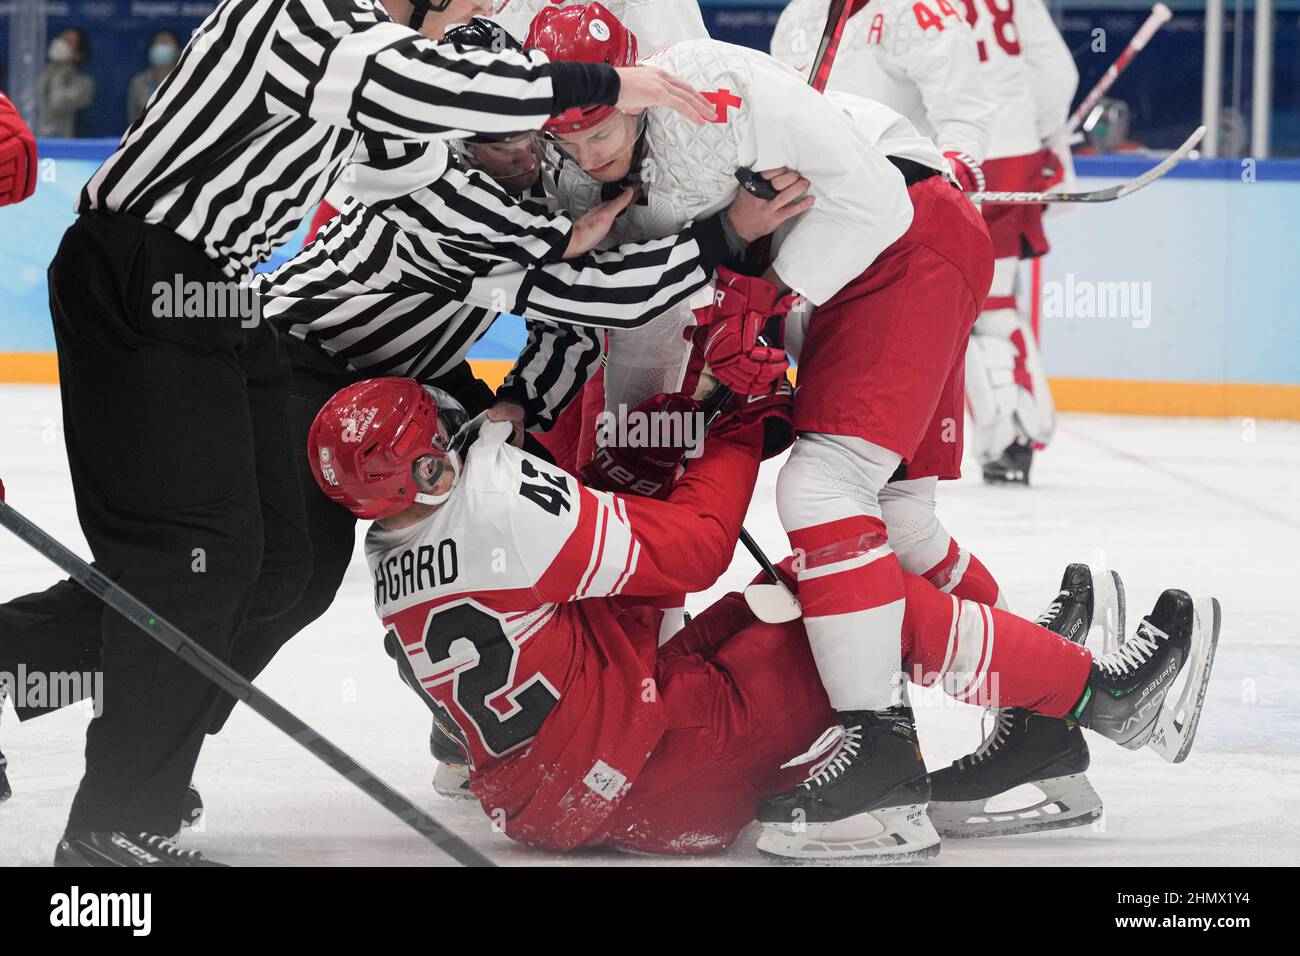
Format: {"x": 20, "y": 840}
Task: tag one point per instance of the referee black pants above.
{"x": 187, "y": 492}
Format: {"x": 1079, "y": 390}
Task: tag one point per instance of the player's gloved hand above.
{"x": 773, "y": 412}
{"x": 966, "y": 171}
{"x": 1053, "y": 168}
{"x": 638, "y": 469}
{"x": 17, "y": 156}
{"x": 728, "y": 332}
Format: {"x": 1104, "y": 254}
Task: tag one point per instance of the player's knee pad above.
{"x": 831, "y": 477}
{"x": 915, "y": 532}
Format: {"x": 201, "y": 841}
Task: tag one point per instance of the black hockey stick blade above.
{"x": 1110, "y": 193}
{"x": 237, "y": 686}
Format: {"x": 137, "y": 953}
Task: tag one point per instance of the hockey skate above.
{"x": 1012, "y": 468}
{"x": 863, "y": 803}
{"x": 1125, "y": 699}
{"x": 451, "y": 778}
{"x": 115, "y": 848}
{"x": 972, "y": 797}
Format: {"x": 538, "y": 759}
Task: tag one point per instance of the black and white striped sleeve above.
{"x": 345, "y": 64}
{"x": 464, "y": 236}
{"x": 556, "y": 362}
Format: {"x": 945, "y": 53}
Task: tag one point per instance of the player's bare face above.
{"x": 604, "y": 152}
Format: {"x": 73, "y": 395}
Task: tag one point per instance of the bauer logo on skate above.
{"x": 1084, "y": 299}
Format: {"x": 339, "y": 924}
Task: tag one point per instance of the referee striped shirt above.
{"x": 271, "y": 97}
{"x": 406, "y": 286}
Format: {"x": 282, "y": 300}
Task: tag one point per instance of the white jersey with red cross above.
{"x": 767, "y": 117}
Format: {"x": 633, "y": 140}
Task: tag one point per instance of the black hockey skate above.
{"x": 863, "y": 803}
{"x": 1012, "y": 468}
{"x": 1126, "y": 692}
{"x": 451, "y": 777}
{"x": 1025, "y": 749}
{"x": 114, "y": 848}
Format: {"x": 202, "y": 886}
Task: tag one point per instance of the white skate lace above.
{"x": 1001, "y": 730}
{"x": 1134, "y": 652}
{"x": 167, "y": 847}
{"x": 846, "y": 742}
{"x": 1053, "y": 611}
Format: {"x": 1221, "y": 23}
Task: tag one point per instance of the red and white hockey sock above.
{"x": 963, "y": 575}
{"x": 851, "y": 589}
{"x": 988, "y": 657}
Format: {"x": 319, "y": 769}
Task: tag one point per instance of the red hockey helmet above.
{"x": 376, "y": 447}
{"x": 587, "y": 33}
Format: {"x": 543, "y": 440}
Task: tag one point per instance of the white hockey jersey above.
{"x": 888, "y": 54}
{"x": 767, "y": 117}
{"x": 1053, "y": 76}
{"x": 656, "y": 23}
{"x": 908, "y": 56}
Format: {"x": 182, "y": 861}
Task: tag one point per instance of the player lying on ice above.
{"x": 519, "y": 603}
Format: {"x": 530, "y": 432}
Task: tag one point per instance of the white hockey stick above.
{"x": 1118, "y": 191}
{"x": 1160, "y": 15}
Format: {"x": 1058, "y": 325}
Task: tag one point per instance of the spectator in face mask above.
{"x": 65, "y": 89}
{"x": 164, "y": 51}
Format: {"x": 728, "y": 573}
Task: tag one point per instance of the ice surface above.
{"x": 1208, "y": 506}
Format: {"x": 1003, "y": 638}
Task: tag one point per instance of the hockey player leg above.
{"x": 925, "y": 547}
{"x": 1003, "y": 393}
{"x": 864, "y": 799}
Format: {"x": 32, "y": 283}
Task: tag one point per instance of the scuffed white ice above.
{"x": 1208, "y": 506}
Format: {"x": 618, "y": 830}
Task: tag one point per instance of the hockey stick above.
{"x": 232, "y": 683}
{"x": 1160, "y": 15}
{"x": 1110, "y": 193}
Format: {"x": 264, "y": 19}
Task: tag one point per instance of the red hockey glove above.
{"x": 642, "y": 452}
{"x": 728, "y": 332}
{"x": 17, "y": 156}
{"x": 966, "y": 171}
{"x": 773, "y": 412}
{"x": 1053, "y": 169}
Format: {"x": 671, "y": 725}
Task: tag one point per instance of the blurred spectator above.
{"x": 65, "y": 89}
{"x": 164, "y": 51}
